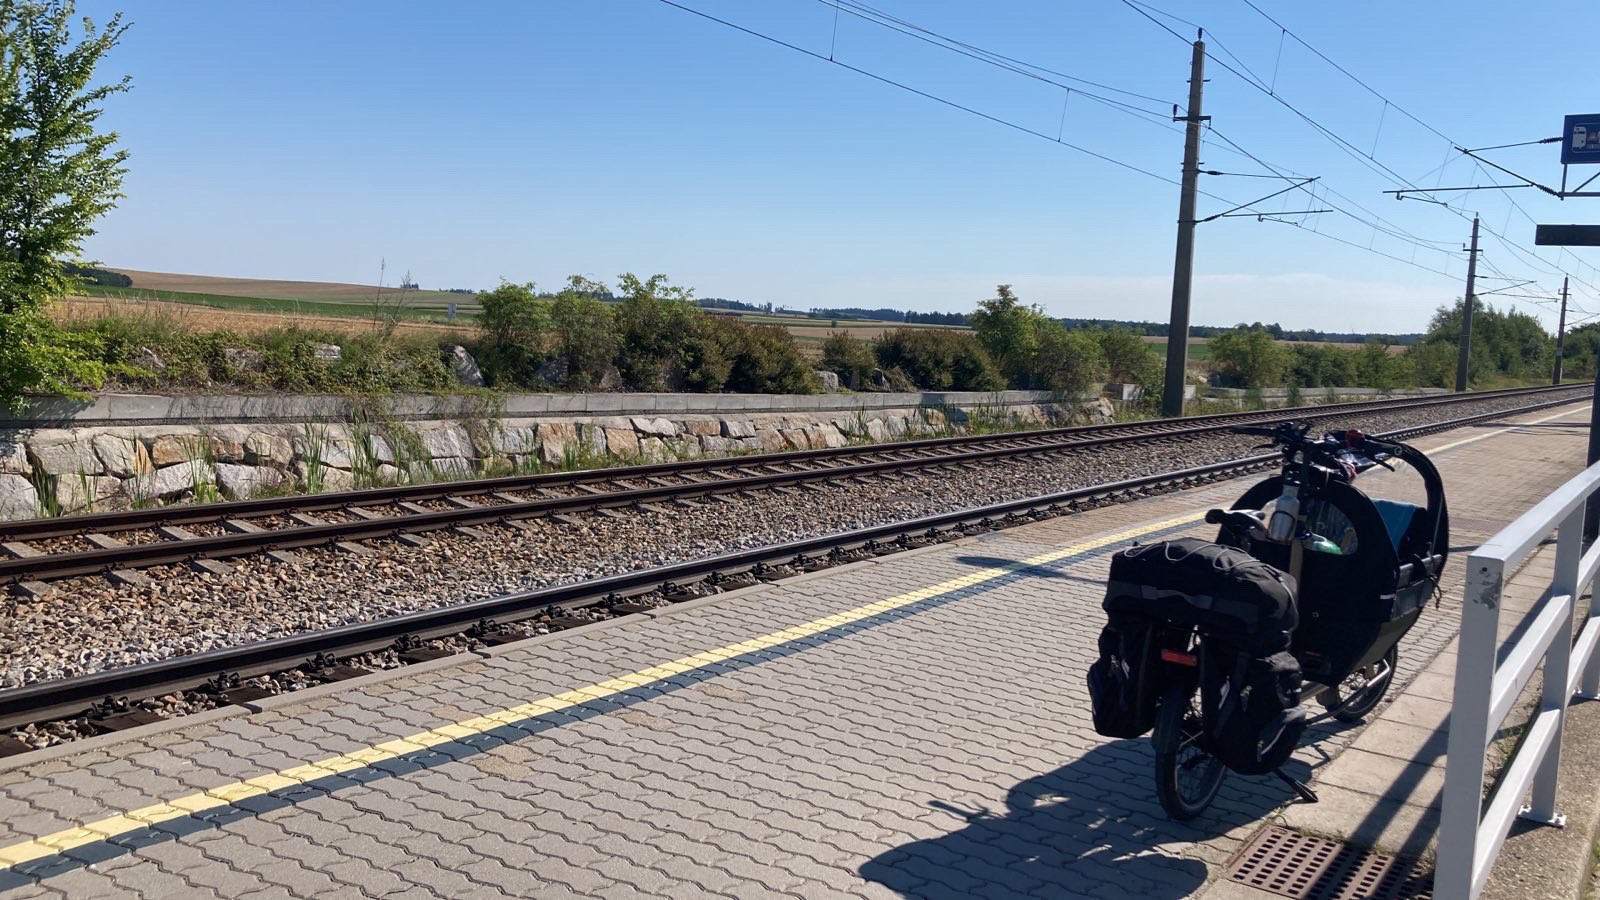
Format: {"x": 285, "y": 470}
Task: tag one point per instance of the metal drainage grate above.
{"x": 1295, "y": 865}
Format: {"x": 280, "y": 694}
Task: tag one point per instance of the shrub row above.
{"x": 655, "y": 339}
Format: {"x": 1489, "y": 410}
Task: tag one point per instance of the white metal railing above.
{"x": 1470, "y": 833}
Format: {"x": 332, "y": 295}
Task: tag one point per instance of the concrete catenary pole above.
{"x": 1561, "y": 334}
{"x": 1183, "y": 265}
{"x": 1466, "y": 311}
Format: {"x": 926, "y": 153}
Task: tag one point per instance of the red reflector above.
{"x": 1182, "y": 659}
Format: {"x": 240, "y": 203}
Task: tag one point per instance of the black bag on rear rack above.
{"x": 1122, "y": 682}
{"x": 1221, "y": 590}
{"x": 1251, "y": 706}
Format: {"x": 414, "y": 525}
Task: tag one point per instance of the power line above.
{"x": 1390, "y": 103}
{"x": 911, "y": 29}
{"x": 1380, "y": 225}
{"x": 1374, "y": 91}
{"x": 919, "y": 92}
{"x": 1008, "y": 63}
{"x": 1140, "y": 9}
{"x": 1376, "y": 222}
{"x": 1368, "y": 160}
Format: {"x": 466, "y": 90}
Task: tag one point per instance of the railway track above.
{"x": 119, "y": 544}
{"x": 318, "y": 654}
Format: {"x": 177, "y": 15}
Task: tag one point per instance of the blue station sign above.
{"x": 1580, "y": 140}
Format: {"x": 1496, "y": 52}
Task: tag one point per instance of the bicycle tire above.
{"x": 1178, "y": 754}
{"x": 1364, "y": 701}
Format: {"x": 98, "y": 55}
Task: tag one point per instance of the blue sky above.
{"x": 530, "y": 140}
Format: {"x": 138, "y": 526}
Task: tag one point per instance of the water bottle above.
{"x": 1285, "y": 516}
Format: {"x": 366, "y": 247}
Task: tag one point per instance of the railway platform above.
{"x": 911, "y": 726}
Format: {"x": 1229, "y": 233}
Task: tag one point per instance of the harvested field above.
{"x": 278, "y": 289}
{"x": 195, "y": 317}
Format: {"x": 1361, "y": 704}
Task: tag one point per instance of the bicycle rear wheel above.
{"x": 1187, "y": 776}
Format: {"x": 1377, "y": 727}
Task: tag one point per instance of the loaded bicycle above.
{"x": 1303, "y": 597}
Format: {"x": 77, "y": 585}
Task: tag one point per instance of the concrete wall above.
{"x": 134, "y": 409}
{"x": 123, "y": 450}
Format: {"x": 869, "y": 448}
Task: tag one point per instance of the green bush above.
{"x": 585, "y": 335}
{"x": 1433, "y": 363}
{"x": 653, "y": 321}
{"x": 1067, "y": 362}
{"x": 1378, "y": 368}
{"x": 939, "y": 360}
{"x": 369, "y": 362}
{"x": 705, "y": 352}
{"x": 1324, "y": 365}
{"x": 36, "y": 357}
{"x": 1249, "y": 358}
{"x": 723, "y": 353}
{"x": 851, "y": 359}
{"x": 516, "y": 322}
{"x": 767, "y": 361}
{"x": 1128, "y": 358}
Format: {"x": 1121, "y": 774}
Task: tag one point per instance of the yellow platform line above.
{"x": 144, "y": 817}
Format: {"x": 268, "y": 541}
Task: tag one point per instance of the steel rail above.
{"x": 70, "y": 696}
{"x": 190, "y": 514}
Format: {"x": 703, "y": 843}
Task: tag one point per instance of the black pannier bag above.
{"x": 1221, "y": 590}
{"x": 1251, "y": 705}
{"x": 1122, "y": 682}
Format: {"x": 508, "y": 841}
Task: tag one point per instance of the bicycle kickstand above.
{"x": 1301, "y": 788}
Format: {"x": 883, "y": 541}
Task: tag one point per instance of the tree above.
{"x": 513, "y": 314}
{"x": 653, "y": 320}
{"x": 1009, "y": 331}
{"x": 515, "y": 322}
{"x": 57, "y": 176}
{"x": 1507, "y": 344}
{"x": 1250, "y": 357}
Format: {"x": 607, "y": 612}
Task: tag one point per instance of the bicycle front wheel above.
{"x": 1187, "y": 776}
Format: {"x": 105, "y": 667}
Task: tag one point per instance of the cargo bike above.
{"x": 1304, "y": 596}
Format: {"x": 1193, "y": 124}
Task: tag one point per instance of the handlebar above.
{"x": 1241, "y": 523}
{"x": 1295, "y": 434}
{"x": 1262, "y": 430}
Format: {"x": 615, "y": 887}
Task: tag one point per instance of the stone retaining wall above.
{"x": 45, "y": 469}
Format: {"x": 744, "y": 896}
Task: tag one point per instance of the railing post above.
{"x": 1557, "y": 668}
{"x": 1462, "y": 807}
{"x": 1589, "y": 686}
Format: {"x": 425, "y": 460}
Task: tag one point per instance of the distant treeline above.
{"x": 884, "y": 314}
{"x": 1159, "y": 329}
{"x": 1156, "y": 329}
{"x": 740, "y": 305}
{"x": 91, "y": 275}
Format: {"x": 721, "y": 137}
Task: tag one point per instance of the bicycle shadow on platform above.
{"x": 1019, "y": 568}
{"x": 1092, "y": 828}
